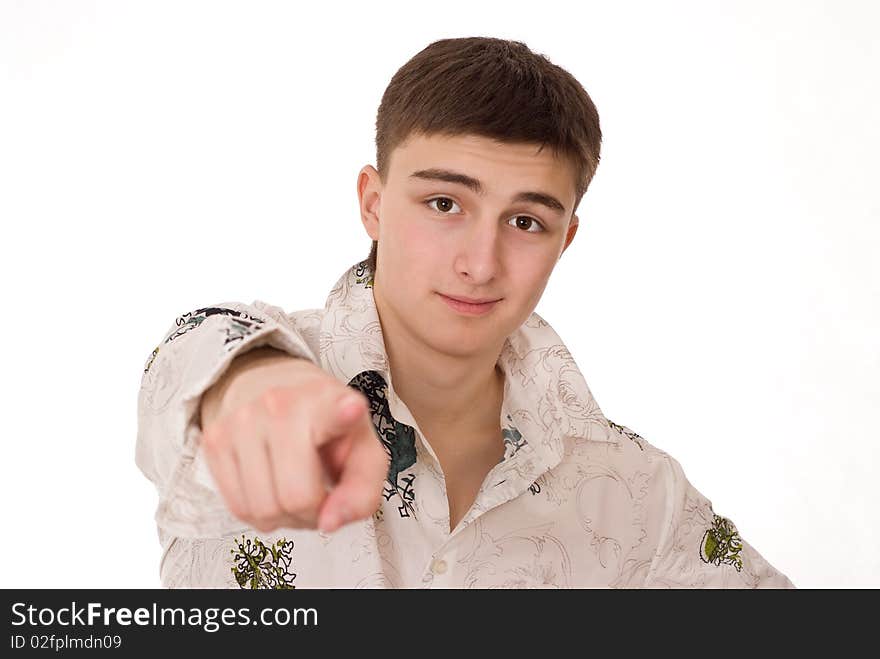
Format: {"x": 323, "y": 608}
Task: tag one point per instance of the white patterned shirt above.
{"x": 577, "y": 501}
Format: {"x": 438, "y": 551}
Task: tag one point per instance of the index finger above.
{"x": 358, "y": 493}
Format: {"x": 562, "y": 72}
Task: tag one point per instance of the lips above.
{"x": 470, "y": 300}
{"x": 469, "y": 308}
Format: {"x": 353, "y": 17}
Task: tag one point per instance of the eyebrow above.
{"x": 476, "y": 186}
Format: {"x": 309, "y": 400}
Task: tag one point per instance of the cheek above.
{"x": 531, "y": 289}
{"x": 415, "y": 236}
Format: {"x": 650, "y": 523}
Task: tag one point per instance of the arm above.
{"x": 199, "y": 348}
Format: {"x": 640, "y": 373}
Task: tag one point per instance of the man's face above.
{"x": 444, "y": 238}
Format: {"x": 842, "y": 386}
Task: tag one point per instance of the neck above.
{"x": 446, "y": 395}
{"x": 449, "y": 395}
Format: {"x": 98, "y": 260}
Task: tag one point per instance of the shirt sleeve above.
{"x": 701, "y": 549}
{"x": 195, "y": 352}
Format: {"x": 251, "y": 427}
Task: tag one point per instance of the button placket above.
{"x": 438, "y": 571}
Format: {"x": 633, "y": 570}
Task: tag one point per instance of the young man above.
{"x": 474, "y": 454}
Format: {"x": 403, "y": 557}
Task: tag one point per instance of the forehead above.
{"x": 500, "y": 165}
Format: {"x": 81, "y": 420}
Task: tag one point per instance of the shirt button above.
{"x": 438, "y": 566}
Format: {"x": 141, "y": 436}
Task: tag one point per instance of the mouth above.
{"x": 469, "y": 306}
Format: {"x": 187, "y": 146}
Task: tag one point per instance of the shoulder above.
{"x": 693, "y": 545}
{"x": 621, "y": 448}
{"x": 683, "y": 540}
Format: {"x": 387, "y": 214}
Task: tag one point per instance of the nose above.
{"x": 478, "y": 257}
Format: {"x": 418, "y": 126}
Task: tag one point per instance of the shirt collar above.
{"x": 546, "y": 398}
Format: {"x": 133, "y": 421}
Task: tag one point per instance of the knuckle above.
{"x": 239, "y": 511}
{"x": 215, "y": 436}
{"x": 299, "y": 504}
{"x": 276, "y": 401}
{"x": 326, "y": 385}
{"x": 266, "y": 511}
{"x": 211, "y": 439}
{"x": 244, "y": 415}
{"x": 263, "y": 525}
{"x": 291, "y": 499}
{"x": 294, "y": 522}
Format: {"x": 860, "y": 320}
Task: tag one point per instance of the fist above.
{"x": 293, "y": 447}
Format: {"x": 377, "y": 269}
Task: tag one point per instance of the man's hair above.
{"x": 491, "y": 88}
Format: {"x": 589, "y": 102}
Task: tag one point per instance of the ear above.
{"x": 369, "y": 189}
{"x": 572, "y": 229}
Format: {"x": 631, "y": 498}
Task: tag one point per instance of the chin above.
{"x": 459, "y": 339}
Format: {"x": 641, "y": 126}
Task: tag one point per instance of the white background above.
{"x": 722, "y": 297}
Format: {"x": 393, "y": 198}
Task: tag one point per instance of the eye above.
{"x": 445, "y": 210}
{"x": 530, "y": 219}
{"x": 446, "y": 201}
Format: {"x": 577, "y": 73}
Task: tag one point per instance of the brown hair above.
{"x": 492, "y": 88}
